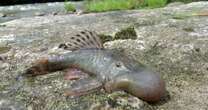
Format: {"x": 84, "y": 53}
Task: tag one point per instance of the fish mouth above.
{"x": 146, "y": 85}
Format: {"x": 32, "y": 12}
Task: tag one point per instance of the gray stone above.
{"x": 174, "y": 4}
{"x": 39, "y": 9}
{"x": 176, "y": 48}
{"x": 2, "y": 15}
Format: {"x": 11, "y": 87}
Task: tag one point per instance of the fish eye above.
{"x": 118, "y": 64}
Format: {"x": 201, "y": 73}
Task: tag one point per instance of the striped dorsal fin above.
{"x": 83, "y": 40}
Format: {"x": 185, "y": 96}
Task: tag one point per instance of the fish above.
{"x": 109, "y": 69}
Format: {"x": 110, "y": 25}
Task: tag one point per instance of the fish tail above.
{"x": 48, "y": 65}
{"x": 39, "y": 68}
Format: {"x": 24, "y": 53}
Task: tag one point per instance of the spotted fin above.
{"x": 83, "y": 40}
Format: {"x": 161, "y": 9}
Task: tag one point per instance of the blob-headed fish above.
{"x": 108, "y": 69}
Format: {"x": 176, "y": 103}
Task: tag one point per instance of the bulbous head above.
{"x": 136, "y": 79}
{"x": 145, "y": 85}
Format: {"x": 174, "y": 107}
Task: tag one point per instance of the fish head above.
{"x": 146, "y": 85}
{"x": 136, "y": 79}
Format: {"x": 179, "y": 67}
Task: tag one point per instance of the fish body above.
{"x": 108, "y": 69}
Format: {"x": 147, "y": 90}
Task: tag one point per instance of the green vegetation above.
{"x": 155, "y": 3}
{"x": 107, "y": 5}
{"x": 69, "y": 7}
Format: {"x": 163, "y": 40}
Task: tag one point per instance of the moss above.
{"x": 2, "y": 87}
{"x": 181, "y": 16}
{"x": 105, "y": 38}
{"x": 127, "y": 33}
{"x": 4, "y": 49}
{"x": 69, "y": 7}
{"x": 184, "y": 15}
{"x": 188, "y": 29}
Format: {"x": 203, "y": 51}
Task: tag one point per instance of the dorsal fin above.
{"x": 83, "y": 40}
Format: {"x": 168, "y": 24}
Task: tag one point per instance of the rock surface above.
{"x": 172, "y": 40}
{"x": 8, "y": 13}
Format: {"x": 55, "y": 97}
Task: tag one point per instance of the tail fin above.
{"x": 45, "y": 66}
{"x": 39, "y": 68}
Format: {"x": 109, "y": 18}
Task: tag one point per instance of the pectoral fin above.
{"x": 74, "y": 74}
{"x": 82, "y": 87}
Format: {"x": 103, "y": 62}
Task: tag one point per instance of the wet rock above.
{"x": 2, "y": 15}
{"x": 29, "y": 10}
{"x": 174, "y": 4}
{"x": 39, "y": 14}
{"x": 126, "y": 102}
{"x": 54, "y": 13}
{"x": 10, "y": 105}
{"x": 175, "y": 48}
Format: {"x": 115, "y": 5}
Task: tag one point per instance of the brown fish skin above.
{"x": 113, "y": 69}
